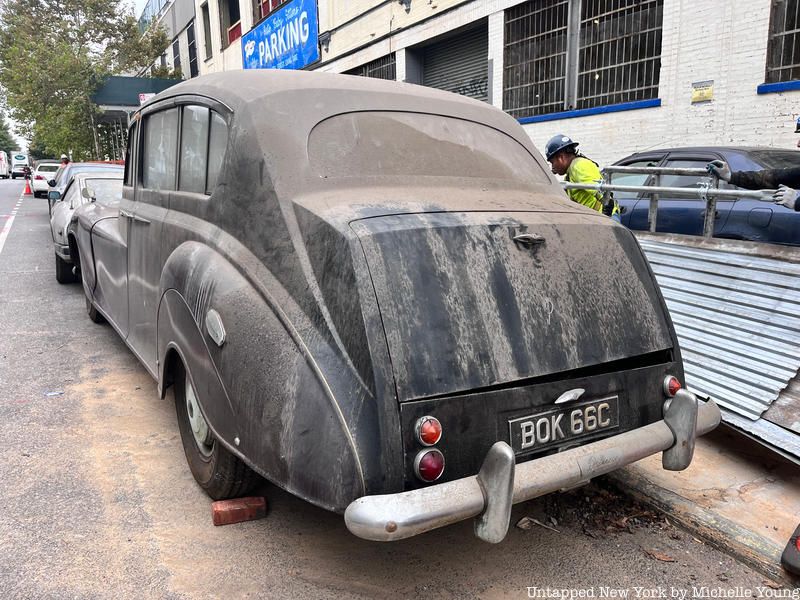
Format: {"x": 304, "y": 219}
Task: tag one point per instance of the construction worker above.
{"x": 564, "y": 158}
{"x": 787, "y": 181}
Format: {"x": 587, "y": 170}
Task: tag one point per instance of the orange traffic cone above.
{"x": 27, "y": 191}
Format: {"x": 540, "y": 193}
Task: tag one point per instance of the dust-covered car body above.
{"x": 360, "y": 255}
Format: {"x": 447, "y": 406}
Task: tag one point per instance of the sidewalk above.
{"x": 736, "y": 495}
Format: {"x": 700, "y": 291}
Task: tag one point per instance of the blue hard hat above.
{"x": 558, "y": 143}
{"x": 797, "y": 126}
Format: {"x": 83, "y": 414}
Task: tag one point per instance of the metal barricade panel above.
{"x": 737, "y": 317}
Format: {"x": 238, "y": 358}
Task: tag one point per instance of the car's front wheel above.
{"x": 219, "y": 472}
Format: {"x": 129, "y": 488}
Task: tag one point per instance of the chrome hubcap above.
{"x": 200, "y": 430}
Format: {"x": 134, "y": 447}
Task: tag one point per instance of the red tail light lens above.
{"x": 429, "y": 465}
{"x": 671, "y": 385}
{"x": 39, "y": 177}
{"x": 428, "y": 430}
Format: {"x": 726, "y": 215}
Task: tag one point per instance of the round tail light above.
{"x": 671, "y": 386}
{"x": 429, "y": 465}
{"x": 428, "y": 431}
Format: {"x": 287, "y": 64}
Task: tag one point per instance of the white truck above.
{"x": 19, "y": 160}
{"x": 5, "y": 167}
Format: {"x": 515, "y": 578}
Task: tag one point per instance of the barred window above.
{"x": 380, "y": 68}
{"x": 567, "y": 54}
{"x": 783, "y": 49}
{"x": 535, "y": 57}
{"x": 620, "y": 51}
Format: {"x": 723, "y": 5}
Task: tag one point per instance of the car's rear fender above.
{"x": 261, "y": 394}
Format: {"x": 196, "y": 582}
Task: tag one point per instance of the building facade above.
{"x": 617, "y": 75}
{"x": 178, "y": 19}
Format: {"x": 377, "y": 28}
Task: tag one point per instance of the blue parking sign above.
{"x": 287, "y": 39}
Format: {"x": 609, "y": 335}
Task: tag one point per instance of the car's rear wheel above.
{"x": 64, "y": 271}
{"x": 219, "y": 472}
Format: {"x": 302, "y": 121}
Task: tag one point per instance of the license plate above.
{"x": 563, "y": 424}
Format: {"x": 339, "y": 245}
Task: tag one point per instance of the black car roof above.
{"x": 292, "y": 102}
{"x": 274, "y": 111}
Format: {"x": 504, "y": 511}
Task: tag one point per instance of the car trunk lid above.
{"x": 472, "y": 300}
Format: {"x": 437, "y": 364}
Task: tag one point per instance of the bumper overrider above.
{"x": 500, "y": 483}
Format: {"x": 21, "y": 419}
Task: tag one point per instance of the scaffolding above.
{"x": 707, "y": 191}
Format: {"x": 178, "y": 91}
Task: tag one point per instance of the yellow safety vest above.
{"x": 583, "y": 170}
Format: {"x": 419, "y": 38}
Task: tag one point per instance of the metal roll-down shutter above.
{"x": 459, "y": 64}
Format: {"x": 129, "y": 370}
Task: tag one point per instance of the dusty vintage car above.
{"x": 377, "y": 297}
{"x": 94, "y": 186}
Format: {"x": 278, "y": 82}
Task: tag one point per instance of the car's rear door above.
{"x": 683, "y": 215}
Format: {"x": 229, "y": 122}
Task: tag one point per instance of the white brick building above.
{"x": 660, "y": 49}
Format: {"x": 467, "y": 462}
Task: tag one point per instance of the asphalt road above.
{"x": 96, "y": 500}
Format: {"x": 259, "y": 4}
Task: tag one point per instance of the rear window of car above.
{"x": 387, "y": 144}
{"x": 777, "y": 159}
{"x": 47, "y": 168}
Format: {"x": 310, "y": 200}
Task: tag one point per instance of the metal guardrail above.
{"x": 708, "y": 193}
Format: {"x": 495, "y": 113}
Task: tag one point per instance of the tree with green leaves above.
{"x": 53, "y": 57}
{"x": 7, "y": 141}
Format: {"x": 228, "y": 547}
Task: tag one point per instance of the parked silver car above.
{"x": 97, "y": 186}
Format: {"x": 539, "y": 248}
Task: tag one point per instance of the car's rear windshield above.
{"x": 391, "y": 144}
{"x": 777, "y": 159}
{"x": 47, "y": 168}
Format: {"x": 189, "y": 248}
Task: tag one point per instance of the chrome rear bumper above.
{"x": 490, "y": 494}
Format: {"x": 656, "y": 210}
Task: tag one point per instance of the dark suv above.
{"x": 736, "y": 218}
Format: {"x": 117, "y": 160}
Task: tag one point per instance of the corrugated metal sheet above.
{"x": 737, "y": 318}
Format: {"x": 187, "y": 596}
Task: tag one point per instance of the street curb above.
{"x": 744, "y": 545}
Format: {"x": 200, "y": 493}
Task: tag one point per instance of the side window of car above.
{"x": 194, "y": 149}
{"x": 633, "y": 178}
{"x": 160, "y": 150}
{"x": 686, "y": 181}
{"x": 71, "y": 196}
{"x": 129, "y": 155}
{"x": 217, "y": 143}
{"x": 58, "y": 175}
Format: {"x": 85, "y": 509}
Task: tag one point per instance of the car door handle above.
{"x": 529, "y": 238}
{"x": 142, "y": 220}
{"x": 126, "y": 214}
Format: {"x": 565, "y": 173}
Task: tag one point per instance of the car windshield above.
{"x": 777, "y": 159}
{"x": 387, "y": 144}
{"x": 105, "y": 191}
